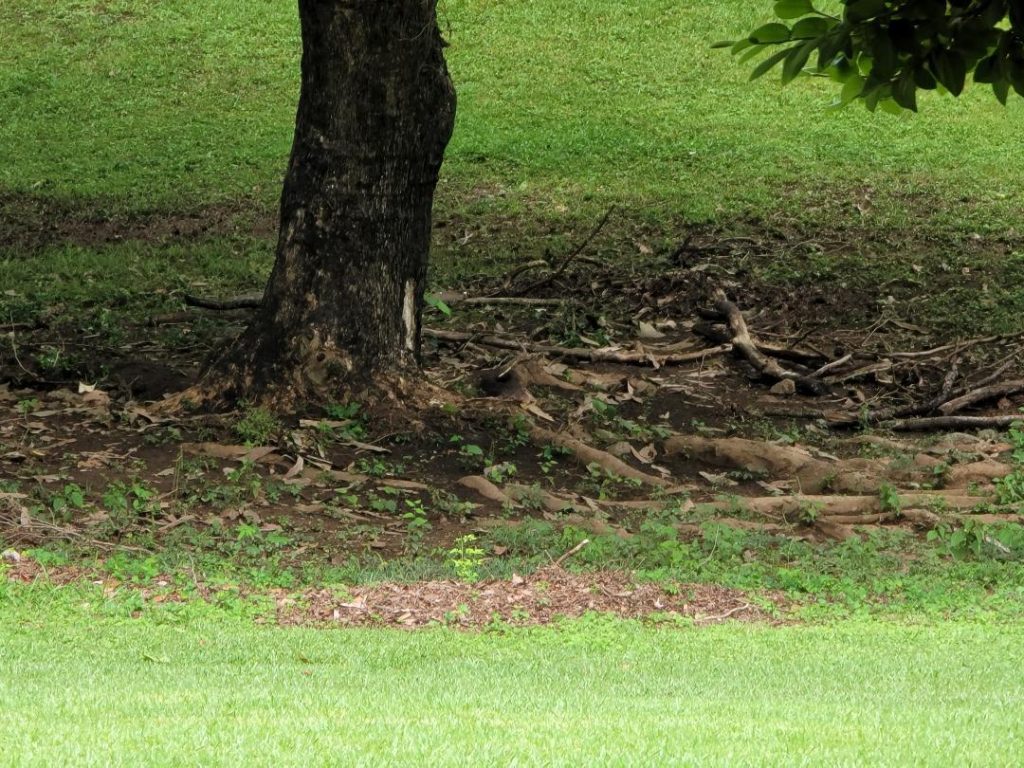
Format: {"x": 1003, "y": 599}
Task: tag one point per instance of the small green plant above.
{"x": 809, "y": 512}
{"x": 501, "y": 472}
{"x": 258, "y": 426}
{"x": 351, "y": 422}
{"x": 26, "y": 406}
{"x": 437, "y": 303}
{"x": 471, "y": 455}
{"x": 382, "y": 504}
{"x": 68, "y": 499}
{"x": 417, "y": 523}
{"x": 377, "y": 467}
{"x": 162, "y": 436}
{"x": 889, "y": 499}
{"x": 608, "y": 483}
{"x": 465, "y": 558}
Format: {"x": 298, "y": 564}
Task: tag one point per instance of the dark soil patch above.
{"x": 28, "y": 223}
{"x": 395, "y": 487}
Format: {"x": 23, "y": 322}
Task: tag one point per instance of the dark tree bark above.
{"x": 375, "y": 113}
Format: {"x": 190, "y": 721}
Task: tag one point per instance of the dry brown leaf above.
{"x": 648, "y": 332}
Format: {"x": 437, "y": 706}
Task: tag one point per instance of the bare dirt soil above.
{"x": 587, "y": 394}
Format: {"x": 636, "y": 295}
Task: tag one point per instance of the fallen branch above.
{"x": 980, "y": 395}
{"x": 719, "y": 335}
{"x": 833, "y": 365}
{"x": 455, "y": 298}
{"x": 245, "y": 301}
{"x": 723, "y": 616}
{"x": 603, "y": 355}
{"x": 765, "y": 365}
{"x": 571, "y": 257}
{"x": 953, "y": 422}
{"x": 570, "y": 553}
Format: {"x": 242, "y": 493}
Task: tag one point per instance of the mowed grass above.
{"x": 88, "y": 691}
{"x": 564, "y": 107}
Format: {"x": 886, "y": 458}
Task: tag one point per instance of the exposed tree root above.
{"x": 814, "y": 475}
{"x": 588, "y": 454}
{"x": 803, "y": 507}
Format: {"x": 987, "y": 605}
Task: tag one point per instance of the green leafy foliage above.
{"x": 884, "y": 51}
{"x": 257, "y": 426}
{"x": 465, "y": 558}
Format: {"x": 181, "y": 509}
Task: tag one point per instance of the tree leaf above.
{"x": 770, "y": 33}
{"x": 862, "y": 10}
{"x": 754, "y": 50}
{"x": 805, "y": 29}
{"x": 985, "y": 71}
{"x": 796, "y": 60}
{"x": 740, "y": 45}
{"x": 793, "y": 9}
{"x": 890, "y": 106}
{"x": 950, "y": 70}
{"x": 852, "y": 88}
{"x": 924, "y": 79}
{"x": 1001, "y": 88}
{"x": 768, "y": 63}
{"x": 904, "y": 91}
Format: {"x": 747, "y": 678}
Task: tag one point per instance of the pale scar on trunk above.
{"x": 409, "y": 315}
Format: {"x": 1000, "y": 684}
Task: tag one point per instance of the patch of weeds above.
{"x": 471, "y": 455}
{"x": 1010, "y": 489}
{"x": 450, "y": 505}
{"x": 162, "y": 436}
{"x": 973, "y": 539}
{"x": 258, "y": 426}
{"x": 378, "y": 467}
{"x": 515, "y": 435}
{"x": 457, "y": 615}
{"x": 26, "y": 406}
{"x": 64, "y": 502}
{"x": 530, "y": 538}
{"x": 383, "y": 503}
{"x": 349, "y": 422}
{"x": 809, "y": 512}
{"x": 889, "y": 499}
{"x": 127, "y": 502}
{"x": 124, "y": 566}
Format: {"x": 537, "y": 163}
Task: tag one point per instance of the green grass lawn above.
{"x": 565, "y": 109}
{"x": 82, "y": 690}
{"x": 565, "y": 106}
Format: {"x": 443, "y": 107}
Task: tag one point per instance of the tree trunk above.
{"x": 344, "y": 300}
